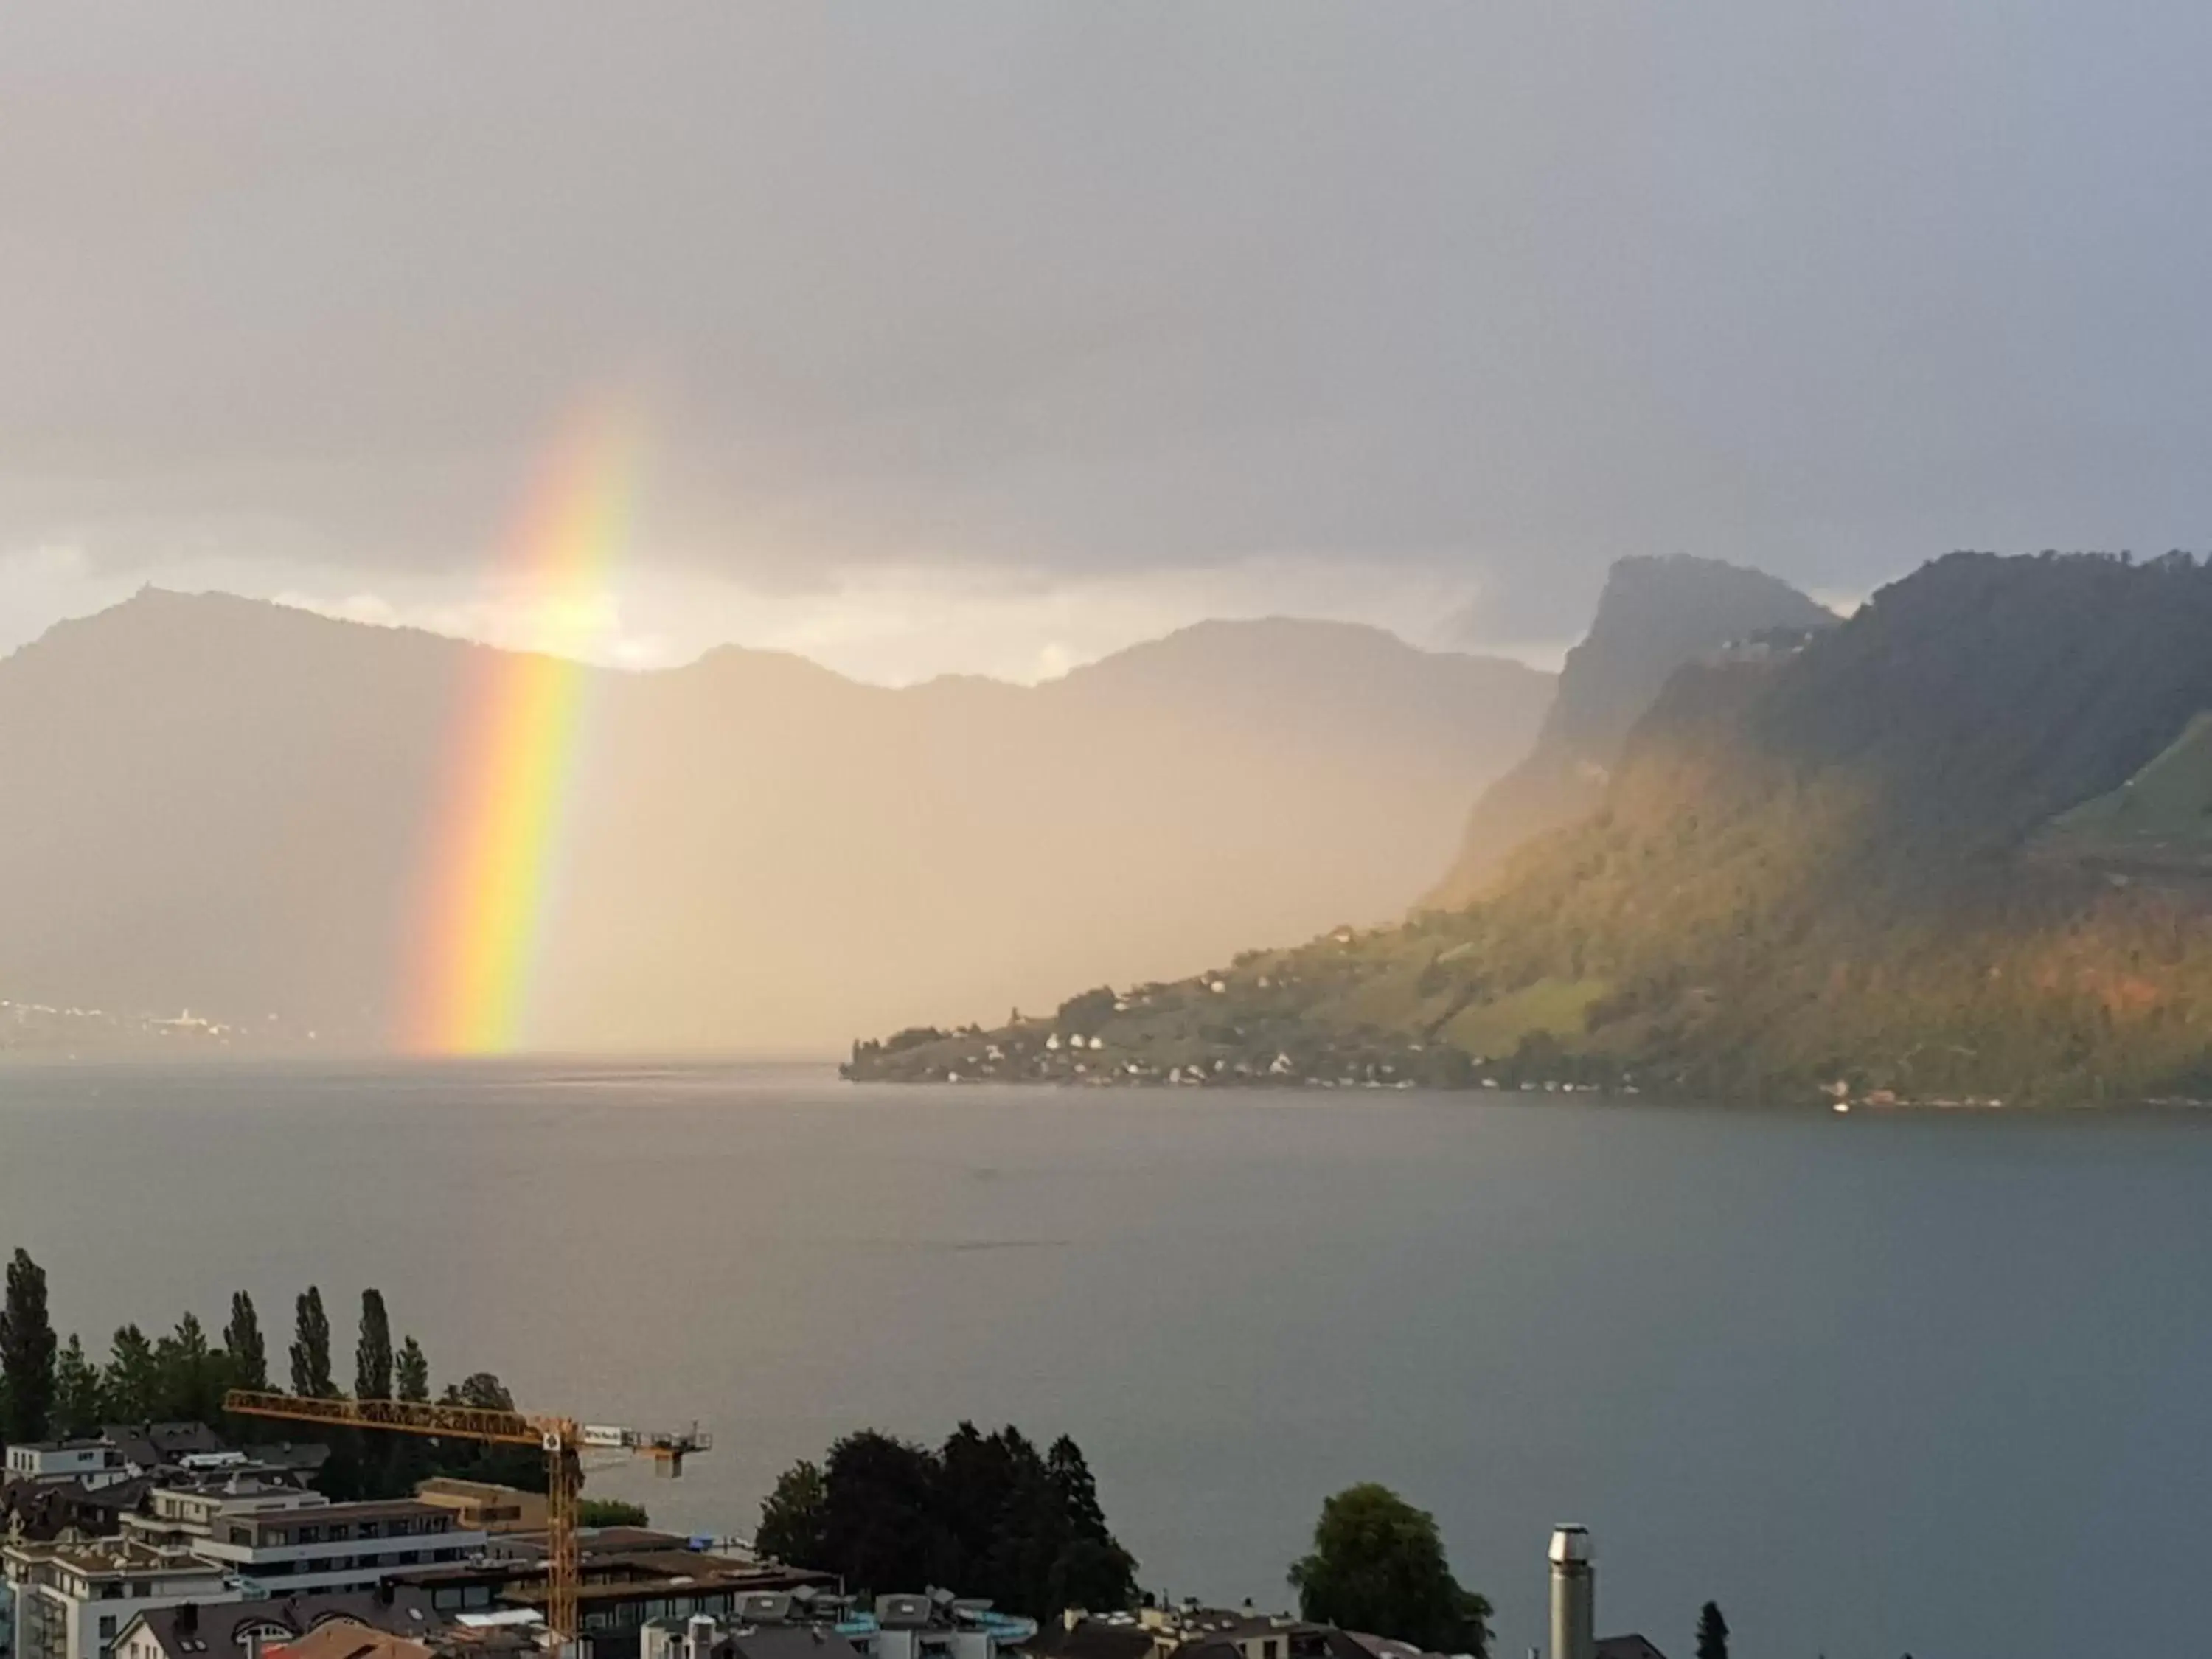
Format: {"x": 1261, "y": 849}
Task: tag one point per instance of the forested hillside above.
{"x": 1835, "y": 867}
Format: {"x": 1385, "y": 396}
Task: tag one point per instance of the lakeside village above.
{"x": 384, "y": 1524}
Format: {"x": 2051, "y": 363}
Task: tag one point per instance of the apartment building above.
{"x": 71, "y": 1599}
{"x": 298, "y": 1549}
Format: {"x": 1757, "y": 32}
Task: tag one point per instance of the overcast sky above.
{"x": 995, "y": 336}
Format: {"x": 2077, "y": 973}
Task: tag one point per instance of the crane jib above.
{"x": 560, "y": 1437}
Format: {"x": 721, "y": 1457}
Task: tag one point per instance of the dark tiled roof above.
{"x": 48, "y": 1508}
{"x": 1091, "y": 1639}
{"x": 1626, "y": 1647}
{"x": 789, "y": 1642}
{"x": 217, "y": 1628}
{"x": 148, "y": 1444}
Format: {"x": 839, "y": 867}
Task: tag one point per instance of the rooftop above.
{"x": 451, "y": 1485}
{"x": 220, "y": 1627}
{"x": 108, "y": 1558}
{"x": 341, "y": 1639}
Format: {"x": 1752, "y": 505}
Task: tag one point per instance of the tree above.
{"x": 241, "y": 1340}
{"x": 1378, "y": 1567}
{"x": 1712, "y": 1632}
{"x": 987, "y": 1513}
{"x": 26, "y": 1353}
{"x": 77, "y": 1403}
{"x": 189, "y": 1375}
{"x": 311, "y": 1348}
{"x": 1079, "y": 1492}
{"x": 409, "y": 1458}
{"x": 412, "y": 1372}
{"x": 877, "y": 1523}
{"x": 371, "y": 1354}
{"x": 374, "y": 1455}
{"x": 1032, "y": 1535}
{"x": 1093, "y": 1569}
{"x": 794, "y": 1519}
{"x": 610, "y": 1512}
{"x": 131, "y": 1389}
{"x": 480, "y": 1391}
{"x": 504, "y": 1465}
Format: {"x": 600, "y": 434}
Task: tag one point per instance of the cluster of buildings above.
{"x": 160, "y": 1542}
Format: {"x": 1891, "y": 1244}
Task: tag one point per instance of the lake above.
{"x": 1875, "y": 1383}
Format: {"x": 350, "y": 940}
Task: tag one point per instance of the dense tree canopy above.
{"x": 26, "y": 1353}
{"x": 984, "y": 1514}
{"x": 1378, "y": 1567}
{"x": 371, "y": 1357}
{"x": 411, "y": 1372}
{"x": 130, "y": 1388}
{"x": 1712, "y": 1632}
{"x": 794, "y": 1518}
{"x": 183, "y": 1376}
{"x": 78, "y": 1406}
{"x": 311, "y": 1347}
{"x": 242, "y": 1341}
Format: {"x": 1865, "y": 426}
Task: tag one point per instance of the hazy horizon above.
{"x": 1545, "y": 659}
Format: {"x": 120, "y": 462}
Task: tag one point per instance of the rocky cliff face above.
{"x": 1654, "y": 616}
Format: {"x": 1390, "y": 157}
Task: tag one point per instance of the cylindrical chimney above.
{"x": 1574, "y": 1595}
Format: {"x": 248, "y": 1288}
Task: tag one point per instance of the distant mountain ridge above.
{"x": 1895, "y": 863}
{"x": 221, "y": 805}
{"x": 1654, "y": 616}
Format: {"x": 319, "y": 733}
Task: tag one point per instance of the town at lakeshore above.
{"x": 172, "y": 1504}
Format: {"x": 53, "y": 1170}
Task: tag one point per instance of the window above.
{"x": 340, "y": 1531}
{"x": 107, "y": 1627}
{"x": 311, "y": 1534}
{"x": 1271, "y": 1647}
{"x": 369, "y": 1529}
{"x": 110, "y": 1591}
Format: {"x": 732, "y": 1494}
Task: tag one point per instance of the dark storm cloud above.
{"x": 1829, "y": 288}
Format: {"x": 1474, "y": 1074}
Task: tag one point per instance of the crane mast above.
{"x": 563, "y": 1441}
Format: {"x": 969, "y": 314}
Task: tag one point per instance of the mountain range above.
{"x": 1954, "y": 849}
{"x": 230, "y": 807}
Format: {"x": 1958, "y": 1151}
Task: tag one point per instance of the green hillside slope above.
{"x": 2158, "y": 822}
{"x": 1820, "y": 871}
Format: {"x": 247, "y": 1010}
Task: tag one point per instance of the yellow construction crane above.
{"x": 563, "y": 1439}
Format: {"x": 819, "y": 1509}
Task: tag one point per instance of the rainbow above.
{"x": 494, "y": 843}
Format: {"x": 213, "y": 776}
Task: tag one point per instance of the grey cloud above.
{"x": 1824, "y": 286}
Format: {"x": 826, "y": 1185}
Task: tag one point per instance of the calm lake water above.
{"x": 1876, "y": 1384}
